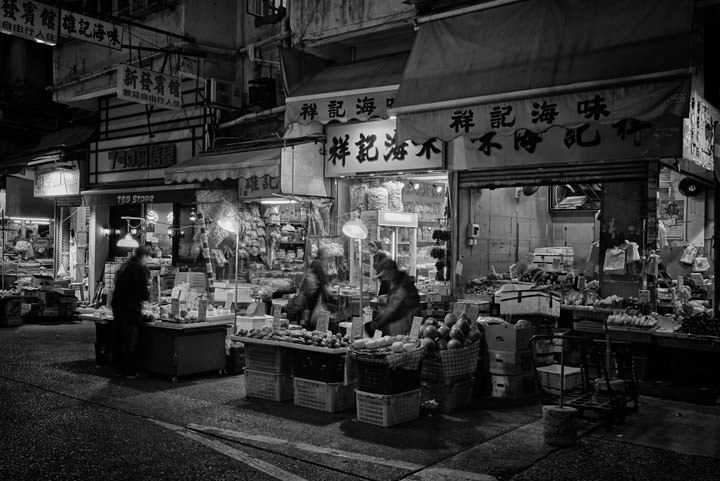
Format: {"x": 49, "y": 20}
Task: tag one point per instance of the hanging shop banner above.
{"x": 626, "y": 139}
{"x": 323, "y": 109}
{"x": 29, "y": 20}
{"x": 139, "y": 196}
{"x": 629, "y": 106}
{"x": 373, "y": 147}
{"x": 91, "y": 29}
{"x": 259, "y": 182}
{"x": 153, "y": 156}
{"x": 698, "y": 132}
{"x": 57, "y": 182}
{"x": 148, "y": 87}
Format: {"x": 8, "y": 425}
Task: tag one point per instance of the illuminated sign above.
{"x": 59, "y": 182}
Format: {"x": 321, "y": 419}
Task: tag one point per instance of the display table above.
{"x": 169, "y": 348}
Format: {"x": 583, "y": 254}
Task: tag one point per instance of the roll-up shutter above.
{"x": 599, "y": 171}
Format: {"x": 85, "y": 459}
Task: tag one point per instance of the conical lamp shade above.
{"x": 128, "y": 241}
{"x": 355, "y": 229}
{"x": 229, "y": 224}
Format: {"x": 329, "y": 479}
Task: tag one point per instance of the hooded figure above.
{"x": 403, "y": 303}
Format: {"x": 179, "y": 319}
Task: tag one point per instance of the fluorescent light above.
{"x": 32, "y": 220}
{"x": 277, "y": 201}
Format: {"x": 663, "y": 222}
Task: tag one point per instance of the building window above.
{"x": 266, "y": 11}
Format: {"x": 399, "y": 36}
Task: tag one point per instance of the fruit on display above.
{"x": 627, "y": 320}
{"x": 297, "y": 336}
{"x": 385, "y": 345}
{"x": 452, "y": 333}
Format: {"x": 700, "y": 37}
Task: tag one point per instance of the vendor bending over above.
{"x": 403, "y": 304}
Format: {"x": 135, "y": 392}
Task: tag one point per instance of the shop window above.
{"x": 565, "y": 197}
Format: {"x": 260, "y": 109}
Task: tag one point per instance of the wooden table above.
{"x": 169, "y": 348}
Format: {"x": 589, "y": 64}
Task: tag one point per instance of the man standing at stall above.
{"x": 403, "y": 304}
{"x": 379, "y": 255}
{"x": 131, "y": 289}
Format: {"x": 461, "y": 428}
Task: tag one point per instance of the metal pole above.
{"x": 4, "y": 231}
{"x": 237, "y": 245}
{"x": 361, "y": 276}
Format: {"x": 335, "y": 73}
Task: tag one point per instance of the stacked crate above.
{"x": 510, "y": 361}
{"x": 319, "y": 381}
{"x": 448, "y": 379}
{"x": 268, "y": 372}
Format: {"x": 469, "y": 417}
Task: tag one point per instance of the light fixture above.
{"x": 128, "y": 241}
{"x": 134, "y": 231}
{"x": 277, "y": 201}
{"x": 170, "y": 231}
{"x": 231, "y": 223}
{"x": 193, "y": 215}
{"x": 438, "y": 188}
{"x": 415, "y": 185}
{"x": 106, "y": 231}
{"x": 355, "y": 229}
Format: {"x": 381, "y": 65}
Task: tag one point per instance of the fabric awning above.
{"x": 355, "y": 91}
{"x": 221, "y": 166}
{"x": 53, "y": 146}
{"x": 534, "y": 64}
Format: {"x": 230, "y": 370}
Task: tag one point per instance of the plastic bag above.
{"x": 688, "y": 255}
{"x": 614, "y": 261}
{"x": 701, "y": 264}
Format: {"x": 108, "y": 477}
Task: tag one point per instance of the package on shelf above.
{"x": 553, "y": 259}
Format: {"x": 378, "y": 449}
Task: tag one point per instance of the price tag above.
{"x": 416, "y": 325}
{"x": 378, "y": 334}
{"x": 174, "y": 306}
{"x": 276, "y": 323}
{"x": 202, "y": 310}
{"x": 644, "y": 296}
{"x": 323, "y": 321}
{"x": 356, "y": 330}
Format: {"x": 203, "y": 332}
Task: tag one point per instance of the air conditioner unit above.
{"x": 223, "y": 93}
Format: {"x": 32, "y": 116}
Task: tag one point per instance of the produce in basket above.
{"x": 297, "y": 336}
{"x": 385, "y": 345}
{"x": 452, "y": 333}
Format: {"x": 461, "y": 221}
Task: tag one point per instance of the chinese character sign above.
{"x": 90, "y": 29}
{"x": 58, "y": 182}
{"x": 259, "y": 182}
{"x": 699, "y": 131}
{"x": 30, "y": 20}
{"x": 341, "y": 107}
{"x": 148, "y": 87}
{"x": 374, "y": 147}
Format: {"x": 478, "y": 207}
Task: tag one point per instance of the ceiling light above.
{"x": 355, "y": 229}
{"x": 128, "y": 241}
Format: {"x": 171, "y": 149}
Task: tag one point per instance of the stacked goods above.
{"x": 509, "y": 359}
{"x": 268, "y": 372}
{"x": 388, "y": 387}
{"x": 524, "y": 299}
{"x": 453, "y": 349}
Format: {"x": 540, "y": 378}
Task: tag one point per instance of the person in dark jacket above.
{"x": 131, "y": 289}
{"x": 403, "y": 303}
{"x": 379, "y": 255}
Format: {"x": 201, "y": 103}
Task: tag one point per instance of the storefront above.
{"x": 570, "y": 148}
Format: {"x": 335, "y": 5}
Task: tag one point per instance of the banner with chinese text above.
{"x": 259, "y": 182}
{"x": 57, "y": 182}
{"x": 628, "y": 106}
{"x": 373, "y": 147}
{"x": 148, "y": 87}
{"x": 91, "y": 29}
{"x": 361, "y": 106}
{"x": 29, "y": 20}
{"x": 699, "y": 132}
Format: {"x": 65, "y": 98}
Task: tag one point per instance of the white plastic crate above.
{"x": 550, "y": 377}
{"x": 387, "y": 410}
{"x": 270, "y": 359}
{"x": 553, "y": 259}
{"x": 323, "y": 396}
{"x": 266, "y": 385}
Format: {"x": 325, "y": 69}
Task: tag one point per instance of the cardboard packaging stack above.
{"x": 510, "y": 361}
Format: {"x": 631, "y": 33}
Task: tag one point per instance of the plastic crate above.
{"x": 450, "y": 398}
{"x": 379, "y": 378}
{"x": 274, "y": 359}
{"x": 319, "y": 366}
{"x": 265, "y": 385}
{"x": 323, "y": 396}
{"x": 387, "y": 410}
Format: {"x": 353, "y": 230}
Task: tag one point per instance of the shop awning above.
{"x": 156, "y": 194}
{"x": 355, "y": 91}
{"x": 54, "y": 146}
{"x": 534, "y": 65}
{"x": 221, "y": 166}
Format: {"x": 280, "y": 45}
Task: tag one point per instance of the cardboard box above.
{"x": 522, "y": 301}
{"x": 550, "y": 377}
{"x": 504, "y": 337}
{"x": 513, "y": 387}
{"x": 510, "y": 363}
{"x": 253, "y": 322}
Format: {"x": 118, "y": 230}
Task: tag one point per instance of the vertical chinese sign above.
{"x": 29, "y": 20}
{"x": 148, "y": 87}
{"x": 91, "y": 30}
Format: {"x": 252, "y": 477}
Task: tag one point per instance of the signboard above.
{"x": 148, "y": 87}
{"x": 258, "y": 182}
{"x": 362, "y": 106}
{"x": 29, "y": 20}
{"x": 58, "y": 182}
{"x": 699, "y": 132}
{"x": 373, "y": 147}
{"x": 90, "y": 29}
{"x": 154, "y": 156}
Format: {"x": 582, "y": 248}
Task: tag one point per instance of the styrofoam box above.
{"x": 513, "y": 387}
{"x": 550, "y": 377}
{"x": 252, "y": 322}
{"x": 504, "y": 337}
{"x": 511, "y": 363}
{"x": 526, "y": 301}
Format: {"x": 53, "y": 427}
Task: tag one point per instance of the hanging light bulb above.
{"x": 134, "y": 231}
{"x": 438, "y": 188}
{"x": 415, "y": 186}
{"x": 170, "y": 231}
{"x": 193, "y": 215}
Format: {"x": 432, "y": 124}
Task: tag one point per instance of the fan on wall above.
{"x": 529, "y": 190}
